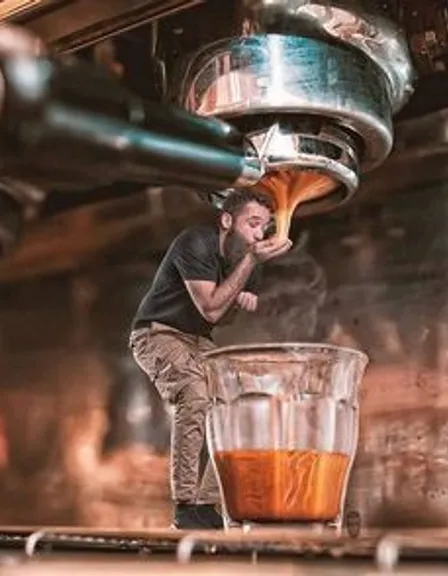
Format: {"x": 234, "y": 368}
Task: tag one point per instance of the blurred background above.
{"x": 84, "y": 441}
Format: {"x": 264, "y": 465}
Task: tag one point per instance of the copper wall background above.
{"x": 84, "y": 440}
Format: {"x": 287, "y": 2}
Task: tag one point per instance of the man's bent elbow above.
{"x": 211, "y": 315}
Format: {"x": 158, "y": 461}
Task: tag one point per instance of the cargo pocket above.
{"x": 168, "y": 361}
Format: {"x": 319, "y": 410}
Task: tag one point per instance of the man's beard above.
{"x": 235, "y": 247}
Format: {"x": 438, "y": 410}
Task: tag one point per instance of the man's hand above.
{"x": 271, "y": 248}
{"x": 247, "y": 301}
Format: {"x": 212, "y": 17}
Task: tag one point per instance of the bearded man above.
{"x": 206, "y": 273}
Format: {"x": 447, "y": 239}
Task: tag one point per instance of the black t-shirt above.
{"x": 193, "y": 255}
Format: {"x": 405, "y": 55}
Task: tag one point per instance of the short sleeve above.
{"x": 195, "y": 260}
{"x": 253, "y": 285}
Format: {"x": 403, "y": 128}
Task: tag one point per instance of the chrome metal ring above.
{"x": 349, "y": 23}
{"x": 290, "y": 145}
{"x": 270, "y": 74}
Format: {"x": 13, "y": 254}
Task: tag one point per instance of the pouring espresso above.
{"x": 289, "y": 189}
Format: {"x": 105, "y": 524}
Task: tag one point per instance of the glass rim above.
{"x": 276, "y": 346}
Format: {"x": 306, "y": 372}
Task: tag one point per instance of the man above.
{"x": 207, "y": 271}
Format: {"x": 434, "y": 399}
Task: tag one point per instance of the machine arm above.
{"x": 66, "y": 124}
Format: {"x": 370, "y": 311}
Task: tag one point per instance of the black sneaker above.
{"x": 211, "y": 516}
{"x": 197, "y": 517}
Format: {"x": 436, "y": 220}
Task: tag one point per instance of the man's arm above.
{"x": 197, "y": 265}
{"x": 198, "y": 268}
{"x": 214, "y": 301}
{"x": 253, "y": 285}
{"x": 247, "y": 299}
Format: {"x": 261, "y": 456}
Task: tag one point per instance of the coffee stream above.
{"x": 282, "y": 485}
{"x": 291, "y": 188}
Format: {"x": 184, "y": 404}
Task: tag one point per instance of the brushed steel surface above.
{"x": 350, "y": 22}
{"x": 275, "y": 74}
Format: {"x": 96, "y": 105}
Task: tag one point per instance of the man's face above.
{"x": 245, "y": 228}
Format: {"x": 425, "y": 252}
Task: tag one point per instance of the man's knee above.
{"x": 194, "y": 390}
{"x": 193, "y": 398}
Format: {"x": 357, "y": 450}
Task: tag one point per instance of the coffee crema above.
{"x": 282, "y": 485}
{"x": 290, "y": 188}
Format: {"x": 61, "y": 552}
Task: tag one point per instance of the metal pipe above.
{"x": 65, "y": 114}
{"x": 81, "y": 83}
{"x": 97, "y": 143}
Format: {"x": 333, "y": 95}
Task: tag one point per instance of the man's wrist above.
{"x": 251, "y": 257}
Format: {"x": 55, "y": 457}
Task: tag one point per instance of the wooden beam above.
{"x": 116, "y": 229}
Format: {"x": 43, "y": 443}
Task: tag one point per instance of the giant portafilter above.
{"x": 314, "y": 86}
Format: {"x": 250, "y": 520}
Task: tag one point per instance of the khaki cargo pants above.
{"x": 172, "y": 361}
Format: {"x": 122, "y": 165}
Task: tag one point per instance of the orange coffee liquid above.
{"x": 290, "y": 188}
{"x": 282, "y": 485}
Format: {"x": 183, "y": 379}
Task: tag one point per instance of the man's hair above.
{"x": 237, "y": 199}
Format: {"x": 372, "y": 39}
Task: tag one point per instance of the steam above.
{"x": 293, "y": 291}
